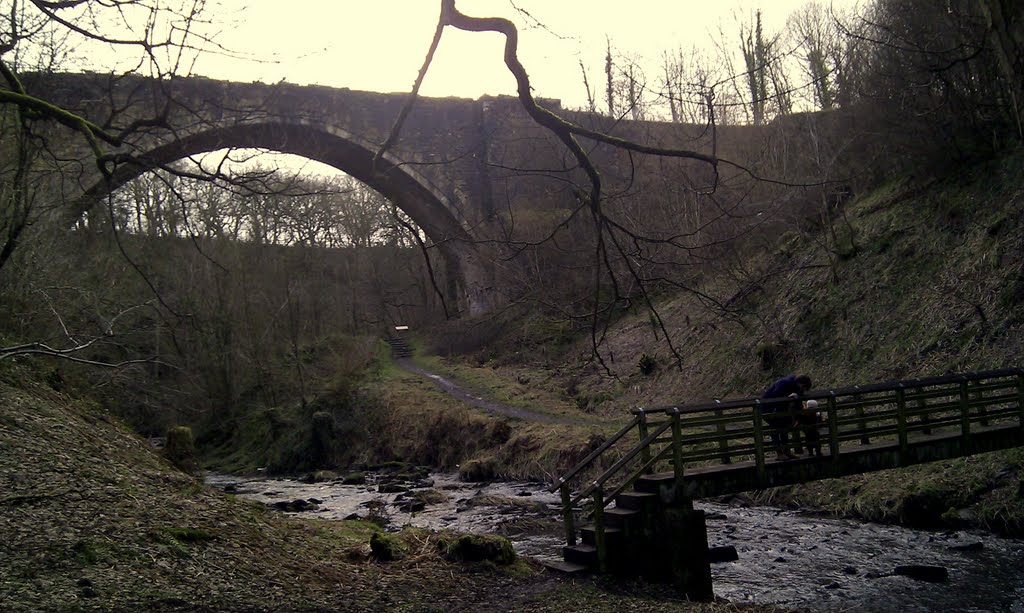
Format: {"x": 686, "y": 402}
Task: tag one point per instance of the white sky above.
{"x": 379, "y": 45}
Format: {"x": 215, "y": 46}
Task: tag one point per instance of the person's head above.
{"x": 804, "y": 382}
{"x": 812, "y": 405}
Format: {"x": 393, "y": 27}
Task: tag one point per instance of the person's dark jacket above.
{"x": 781, "y": 389}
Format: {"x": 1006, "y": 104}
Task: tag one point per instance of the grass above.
{"x": 933, "y": 286}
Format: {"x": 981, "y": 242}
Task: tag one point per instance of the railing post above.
{"x": 922, "y": 404}
{"x": 901, "y": 420}
{"x": 833, "y": 429}
{"x": 861, "y": 422}
{"x": 758, "y": 442}
{"x": 677, "y": 448}
{"x": 567, "y": 514}
{"x": 723, "y": 440}
{"x": 645, "y": 453}
{"x": 979, "y": 397}
{"x": 965, "y": 416}
{"x": 599, "y": 540}
{"x": 1020, "y": 397}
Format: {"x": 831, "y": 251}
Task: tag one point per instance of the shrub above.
{"x": 475, "y": 471}
{"x": 180, "y": 449}
{"x": 648, "y": 365}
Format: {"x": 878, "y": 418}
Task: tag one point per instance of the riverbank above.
{"x": 783, "y": 557}
{"x": 94, "y": 520}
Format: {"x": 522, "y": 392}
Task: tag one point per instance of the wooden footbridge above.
{"x": 660, "y": 461}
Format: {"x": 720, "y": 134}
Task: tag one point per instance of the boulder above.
{"x": 923, "y": 572}
{"x": 477, "y": 548}
{"x": 356, "y": 478}
{"x": 411, "y": 506}
{"x": 972, "y": 546}
{"x": 295, "y": 506}
{"x": 475, "y": 471}
{"x": 724, "y": 553}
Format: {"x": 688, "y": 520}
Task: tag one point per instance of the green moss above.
{"x": 190, "y": 535}
{"x": 85, "y": 553}
{"x": 386, "y": 547}
{"x": 476, "y": 548}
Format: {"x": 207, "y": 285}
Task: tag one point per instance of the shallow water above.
{"x": 798, "y": 559}
{"x": 788, "y": 558}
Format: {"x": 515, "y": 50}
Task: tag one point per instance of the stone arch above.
{"x": 426, "y": 205}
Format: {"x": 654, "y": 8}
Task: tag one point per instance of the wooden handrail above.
{"x": 585, "y": 462}
{"x": 897, "y": 413}
{"x": 891, "y": 386}
{"x": 626, "y": 459}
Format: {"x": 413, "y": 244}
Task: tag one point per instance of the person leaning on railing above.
{"x": 779, "y": 415}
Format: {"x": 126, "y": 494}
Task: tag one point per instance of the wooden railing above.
{"x": 902, "y": 413}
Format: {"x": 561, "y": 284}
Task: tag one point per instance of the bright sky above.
{"x": 379, "y": 45}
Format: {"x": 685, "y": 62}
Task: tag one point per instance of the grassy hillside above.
{"x": 934, "y": 283}
{"x": 928, "y": 278}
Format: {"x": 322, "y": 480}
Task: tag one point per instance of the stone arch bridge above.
{"x": 459, "y": 167}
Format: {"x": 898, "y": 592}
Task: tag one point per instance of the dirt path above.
{"x": 491, "y": 407}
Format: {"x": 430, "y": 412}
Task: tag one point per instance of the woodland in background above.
{"x": 192, "y": 298}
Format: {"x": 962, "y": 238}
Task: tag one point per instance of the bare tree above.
{"x": 620, "y": 251}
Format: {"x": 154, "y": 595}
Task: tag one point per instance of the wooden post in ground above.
{"x": 686, "y": 537}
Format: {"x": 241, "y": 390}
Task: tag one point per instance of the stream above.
{"x": 789, "y": 558}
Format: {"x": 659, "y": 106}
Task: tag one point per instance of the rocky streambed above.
{"x": 785, "y": 557}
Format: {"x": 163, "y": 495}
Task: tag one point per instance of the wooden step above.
{"x": 567, "y": 568}
{"x": 399, "y": 348}
{"x": 581, "y": 554}
{"x": 653, "y": 483}
{"x": 617, "y": 517}
{"x": 640, "y": 501}
{"x": 612, "y": 536}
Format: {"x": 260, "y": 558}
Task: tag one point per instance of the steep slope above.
{"x": 94, "y": 520}
{"x": 934, "y": 283}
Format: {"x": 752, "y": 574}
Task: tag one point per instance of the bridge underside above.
{"x": 723, "y": 479}
{"x": 469, "y": 278}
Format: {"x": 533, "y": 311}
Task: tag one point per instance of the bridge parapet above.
{"x": 474, "y": 174}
